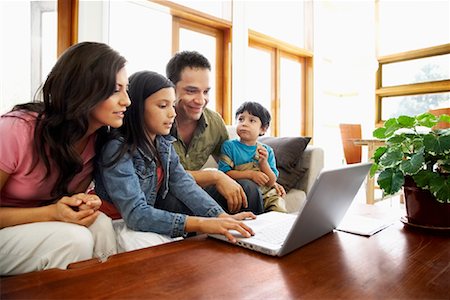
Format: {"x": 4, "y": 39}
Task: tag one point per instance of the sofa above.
{"x": 298, "y": 174}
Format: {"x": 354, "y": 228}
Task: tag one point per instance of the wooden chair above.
{"x": 349, "y": 133}
{"x": 441, "y": 111}
{"x": 352, "y": 152}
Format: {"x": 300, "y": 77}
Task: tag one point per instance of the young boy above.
{"x": 247, "y": 158}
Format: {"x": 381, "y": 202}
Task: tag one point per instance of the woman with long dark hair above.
{"x": 47, "y": 150}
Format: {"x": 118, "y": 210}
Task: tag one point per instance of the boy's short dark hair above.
{"x": 257, "y": 110}
{"x": 183, "y": 59}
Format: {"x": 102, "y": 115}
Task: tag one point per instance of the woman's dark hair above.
{"x": 142, "y": 85}
{"x": 83, "y": 77}
{"x": 257, "y": 110}
{"x": 183, "y": 59}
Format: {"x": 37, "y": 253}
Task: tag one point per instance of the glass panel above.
{"x": 27, "y": 57}
{"x": 219, "y": 9}
{"x": 413, "y": 105}
{"x": 290, "y": 97}
{"x": 206, "y": 45}
{"x": 49, "y": 42}
{"x": 417, "y": 70}
{"x": 144, "y": 39}
{"x": 420, "y": 24}
{"x": 258, "y": 81}
{"x": 286, "y": 19}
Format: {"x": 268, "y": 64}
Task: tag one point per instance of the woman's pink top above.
{"x": 24, "y": 188}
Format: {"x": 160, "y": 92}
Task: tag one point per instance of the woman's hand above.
{"x": 90, "y": 201}
{"x": 77, "y": 209}
{"x": 221, "y": 225}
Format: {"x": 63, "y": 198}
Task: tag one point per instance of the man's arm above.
{"x": 225, "y": 185}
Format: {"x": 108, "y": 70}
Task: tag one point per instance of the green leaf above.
{"x": 444, "y": 118}
{"x": 436, "y": 144}
{"x": 396, "y": 139}
{"x": 391, "y": 158}
{"x": 414, "y": 164}
{"x": 373, "y": 170}
{"x": 440, "y": 188}
{"x": 378, "y": 153}
{"x": 406, "y": 121}
{"x": 427, "y": 120}
{"x": 379, "y": 133}
{"x": 391, "y": 128}
{"x": 390, "y": 181}
{"x": 423, "y": 178}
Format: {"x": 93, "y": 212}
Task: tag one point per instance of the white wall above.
{"x": 344, "y": 67}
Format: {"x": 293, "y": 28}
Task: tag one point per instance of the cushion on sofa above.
{"x": 288, "y": 152}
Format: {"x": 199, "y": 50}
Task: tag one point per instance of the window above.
{"x": 26, "y": 58}
{"x": 277, "y": 78}
{"x": 414, "y": 81}
{"x": 209, "y": 42}
{"x": 145, "y": 38}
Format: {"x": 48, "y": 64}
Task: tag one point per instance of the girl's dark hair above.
{"x": 141, "y": 86}
{"x": 83, "y": 77}
{"x": 183, "y": 59}
{"x": 257, "y": 110}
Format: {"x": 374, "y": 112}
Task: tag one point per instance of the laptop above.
{"x": 331, "y": 195}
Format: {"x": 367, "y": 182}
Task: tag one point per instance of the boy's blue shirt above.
{"x": 241, "y": 153}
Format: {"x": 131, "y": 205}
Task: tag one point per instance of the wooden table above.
{"x": 394, "y": 263}
{"x": 372, "y": 145}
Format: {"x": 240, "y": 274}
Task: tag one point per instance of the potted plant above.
{"x": 417, "y": 158}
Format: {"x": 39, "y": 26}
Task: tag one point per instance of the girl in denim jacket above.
{"x": 140, "y": 173}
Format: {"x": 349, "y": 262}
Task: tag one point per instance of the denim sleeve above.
{"x": 123, "y": 188}
{"x": 184, "y": 187}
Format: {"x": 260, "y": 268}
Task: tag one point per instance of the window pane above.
{"x": 28, "y": 51}
{"x": 283, "y": 20}
{"x": 219, "y": 9}
{"x": 290, "y": 98}
{"x": 413, "y": 105}
{"x": 409, "y": 25}
{"x": 142, "y": 33}
{"x": 258, "y": 81}
{"x": 206, "y": 45}
{"x": 49, "y": 42}
{"x": 417, "y": 70}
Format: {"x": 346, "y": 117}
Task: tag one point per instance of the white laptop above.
{"x": 278, "y": 234}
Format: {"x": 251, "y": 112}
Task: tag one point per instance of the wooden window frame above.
{"x": 438, "y": 86}
{"x": 67, "y": 24}
{"x": 279, "y": 49}
{"x": 184, "y": 17}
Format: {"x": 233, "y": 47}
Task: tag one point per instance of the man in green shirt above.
{"x": 200, "y": 132}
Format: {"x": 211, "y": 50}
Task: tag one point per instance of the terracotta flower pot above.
{"x": 423, "y": 209}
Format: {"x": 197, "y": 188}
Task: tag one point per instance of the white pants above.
{"x": 45, "y": 245}
{"x": 128, "y": 240}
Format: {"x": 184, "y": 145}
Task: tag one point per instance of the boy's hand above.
{"x": 262, "y": 152}
{"x": 280, "y": 190}
{"x": 260, "y": 178}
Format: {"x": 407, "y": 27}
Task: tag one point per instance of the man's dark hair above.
{"x": 181, "y": 60}
{"x": 257, "y": 110}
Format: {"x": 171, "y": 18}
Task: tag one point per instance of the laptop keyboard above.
{"x": 275, "y": 234}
